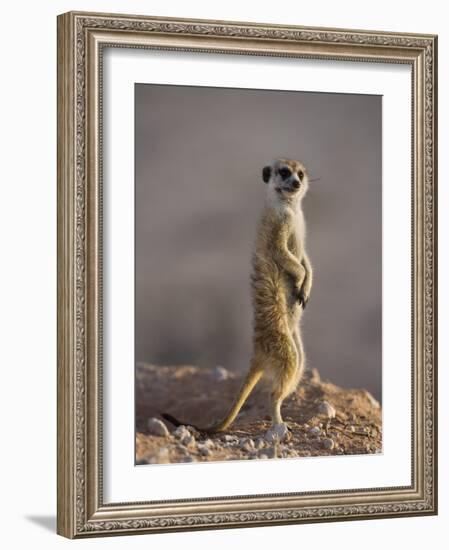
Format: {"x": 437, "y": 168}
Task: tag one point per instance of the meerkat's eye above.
{"x": 300, "y": 174}
{"x": 284, "y": 173}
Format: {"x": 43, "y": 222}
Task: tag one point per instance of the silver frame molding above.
{"x": 81, "y": 39}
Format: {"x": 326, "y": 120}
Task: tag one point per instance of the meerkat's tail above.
{"x": 254, "y": 375}
{"x": 176, "y": 422}
{"x": 173, "y": 420}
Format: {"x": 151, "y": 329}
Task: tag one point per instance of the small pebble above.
{"x": 247, "y": 444}
{"x": 328, "y": 443}
{"x": 219, "y": 374}
{"x": 181, "y": 432}
{"x": 259, "y": 443}
{"x": 263, "y": 456}
{"x": 326, "y": 409}
{"x": 205, "y": 451}
{"x": 157, "y": 427}
{"x": 193, "y": 431}
{"x": 315, "y": 431}
{"x": 271, "y": 452}
{"x": 188, "y": 440}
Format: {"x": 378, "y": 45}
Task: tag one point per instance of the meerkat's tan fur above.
{"x": 281, "y": 282}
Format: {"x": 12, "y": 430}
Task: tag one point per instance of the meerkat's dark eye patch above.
{"x": 284, "y": 173}
{"x": 301, "y": 175}
{"x": 266, "y": 173}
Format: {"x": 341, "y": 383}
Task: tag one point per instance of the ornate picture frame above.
{"x": 82, "y": 38}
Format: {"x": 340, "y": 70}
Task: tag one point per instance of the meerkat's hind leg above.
{"x": 285, "y": 379}
{"x": 277, "y": 398}
{"x": 288, "y": 378}
{"x": 276, "y": 403}
{"x": 300, "y": 351}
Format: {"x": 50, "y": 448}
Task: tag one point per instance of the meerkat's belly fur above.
{"x": 277, "y": 344}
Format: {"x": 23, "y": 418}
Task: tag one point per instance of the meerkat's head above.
{"x": 286, "y": 179}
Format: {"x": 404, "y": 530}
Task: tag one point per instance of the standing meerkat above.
{"x": 281, "y": 281}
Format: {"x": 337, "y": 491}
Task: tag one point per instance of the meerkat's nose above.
{"x": 296, "y": 184}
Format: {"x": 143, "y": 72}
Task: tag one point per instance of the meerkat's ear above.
{"x": 266, "y": 173}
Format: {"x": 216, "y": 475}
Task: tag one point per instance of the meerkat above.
{"x": 281, "y": 282}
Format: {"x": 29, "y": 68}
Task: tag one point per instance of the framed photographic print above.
{"x": 246, "y": 274}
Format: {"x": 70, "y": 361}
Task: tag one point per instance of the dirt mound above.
{"x": 323, "y": 419}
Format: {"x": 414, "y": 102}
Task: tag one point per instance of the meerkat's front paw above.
{"x": 302, "y": 297}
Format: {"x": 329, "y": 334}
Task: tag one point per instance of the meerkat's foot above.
{"x": 278, "y": 432}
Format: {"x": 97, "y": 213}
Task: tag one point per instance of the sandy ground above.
{"x": 323, "y": 419}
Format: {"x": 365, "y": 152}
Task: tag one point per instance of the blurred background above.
{"x": 199, "y": 192}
